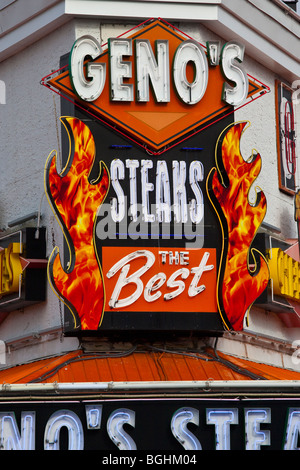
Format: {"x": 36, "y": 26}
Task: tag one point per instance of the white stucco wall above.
{"x": 28, "y": 133}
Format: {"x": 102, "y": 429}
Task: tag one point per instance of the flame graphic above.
{"x": 75, "y": 200}
{"x": 243, "y": 273}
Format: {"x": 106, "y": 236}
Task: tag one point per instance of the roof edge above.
{"x": 265, "y": 386}
{"x": 215, "y": 14}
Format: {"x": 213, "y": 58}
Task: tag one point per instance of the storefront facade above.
{"x": 157, "y": 155}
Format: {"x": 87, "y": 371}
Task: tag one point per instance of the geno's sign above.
{"x": 147, "y": 198}
{"x": 157, "y": 85}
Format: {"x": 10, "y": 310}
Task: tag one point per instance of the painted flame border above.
{"x": 52, "y": 159}
{"x": 259, "y": 260}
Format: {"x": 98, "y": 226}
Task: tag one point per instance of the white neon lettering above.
{"x": 134, "y": 278}
{"x": 88, "y": 88}
{"x": 213, "y": 52}
{"x": 179, "y": 428}
{"x": 93, "y": 416}
{"x": 19, "y": 432}
{"x": 133, "y": 165}
{"x": 194, "y": 289}
{"x": 146, "y": 188}
{"x": 256, "y": 437}
{"x": 120, "y": 69}
{"x": 148, "y": 69}
{"x": 117, "y": 204}
{"x": 53, "y": 427}
{"x": 162, "y": 190}
{"x": 158, "y": 279}
{"x": 115, "y": 429}
{"x": 88, "y": 78}
{"x": 231, "y": 53}
{"x": 10, "y": 436}
{"x": 190, "y": 51}
{"x": 172, "y": 283}
{"x": 196, "y": 174}
{"x": 222, "y": 419}
{"x": 292, "y": 432}
{"x": 163, "y": 200}
{"x": 179, "y": 191}
{"x": 153, "y": 285}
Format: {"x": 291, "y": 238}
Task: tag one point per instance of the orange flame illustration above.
{"x": 75, "y": 200}
{"x": 241, "y": 278}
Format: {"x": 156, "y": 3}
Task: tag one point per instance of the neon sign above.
{"x": 140, "y": 425}
{"x": 185, "y": 85}
{"x": 159, "y": 234}
{"x": 154, "y": 70}
{"x": 161, "y": 186}
{"x": 165, "y": 279}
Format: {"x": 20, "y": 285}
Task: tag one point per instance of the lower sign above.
{"x": 177, "y": 425}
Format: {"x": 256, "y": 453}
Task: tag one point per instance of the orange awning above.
{"x": 138, "y": 366}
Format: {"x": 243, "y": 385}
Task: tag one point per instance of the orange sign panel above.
{"x": 157, "y": 125}
{"x": 160, "y": 279}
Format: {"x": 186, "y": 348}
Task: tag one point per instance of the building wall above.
{"x": 29, "y": 131}
{"x": 29, "y": 124}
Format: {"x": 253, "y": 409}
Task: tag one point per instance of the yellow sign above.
{"x": 285, "y": 273}
{"x": 10, "y": 268}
